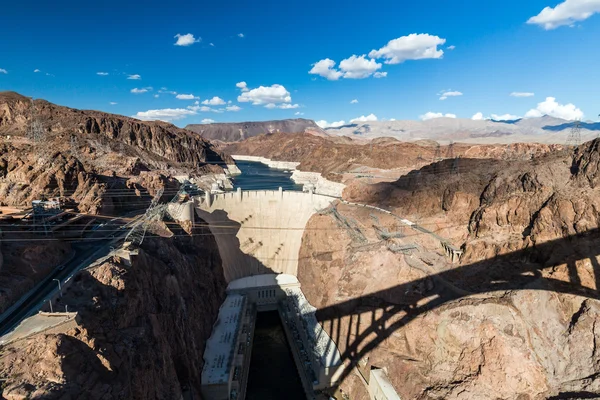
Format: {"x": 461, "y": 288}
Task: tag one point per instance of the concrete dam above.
{"x": 259, "y": 234}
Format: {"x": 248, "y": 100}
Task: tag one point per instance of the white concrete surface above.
{"x": 321, "y": 185}
{"x": 380, "y": 387}
{"x": 221, "y": 344}
{"x": 266, "y": 280}
{"x": 37, "y": 323}
{"x": 259, "y": 232}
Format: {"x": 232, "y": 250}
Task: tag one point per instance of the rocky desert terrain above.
{"x": 141, "y": 328}
{"x": 102, "y": 164}
{"x": 335, "y": 157}
{"x": 515, "y": 318}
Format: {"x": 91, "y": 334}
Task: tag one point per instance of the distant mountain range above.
{"x": 233, "y": 132}
{"x": 544, "y": 129}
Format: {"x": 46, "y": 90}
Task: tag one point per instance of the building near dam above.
{"x": 228, "y": 350}
{"x": 226, "y": 357}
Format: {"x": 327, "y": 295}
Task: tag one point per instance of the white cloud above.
{"x": 325, "y": 68}
{"x": 452, "y": 47}
{"x": 355, "y": 101}
{"x": 3, "y": 71}
{"x": 36, "y": 70}
{"x": 112, "y": 103}
{"x": 356, "y": 67}
{"x": 298, "y": 113}
{"x": 208, "y": 121}
{"x": 242, "y": 85}
{"x": 233, "y": 108}
{"x": 264, "y": 95}
{"x": 478, "y": 117}
{"x": 552, "y": 108}
{"x": 412, "y": 47}
{"x": 186, "y": 97}
{"x": 186, "y": 40}
{"x": 135, "y": 77}
{"x": 522, "y": 94}
{"x": 215, "y": 101}
{"x": 445, "y": 95}
{"x": 240, "y": 35}
{"x": 505, "y": 117}
{"x": 566, "y": 13}
{"x": 49, "y": 74}
{"x": 156, "y": 96}
{"x": 138, "y": 91}
{"x": 287, "y": 106}
{"x": 211, "y": 44}
{"x": 99, "y": 73}
{"x": 432, "y": 115}
{"x": 324, "y": 124}
{"x": 362, "y": 118}
{"x": 165, "y": 114}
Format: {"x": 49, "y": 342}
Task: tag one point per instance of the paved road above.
{"x": 96, "y": 245}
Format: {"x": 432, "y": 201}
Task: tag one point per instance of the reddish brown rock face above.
{"x": 142, "y": 328}
{"x": 504, "y": 324}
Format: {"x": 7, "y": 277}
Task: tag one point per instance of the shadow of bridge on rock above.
{"x": 391, "y": 309}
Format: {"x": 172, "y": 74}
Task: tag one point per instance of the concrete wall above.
{"x": 322, "y": 185}
{"x": 259, "y": 232}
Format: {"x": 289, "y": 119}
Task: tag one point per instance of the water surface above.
{"x": 258, "y": 176}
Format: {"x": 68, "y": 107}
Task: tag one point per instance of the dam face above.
{"x": 259, "y": 232}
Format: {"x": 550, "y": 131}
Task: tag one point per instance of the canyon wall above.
{"x": 141, "y": 329}
{"x": 517, "y": 318}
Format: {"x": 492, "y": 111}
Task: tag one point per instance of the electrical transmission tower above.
{"x": 438, "y": 153}
{"x": 574, "y": 138}
{"x": 450, "y": 151}
{"x": 35, "y": 131}
{"x": 155, "y": 212}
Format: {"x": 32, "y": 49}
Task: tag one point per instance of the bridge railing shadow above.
{"x": 393, "y": 308}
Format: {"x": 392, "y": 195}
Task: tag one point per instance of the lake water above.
{"x": 258, "y": 176}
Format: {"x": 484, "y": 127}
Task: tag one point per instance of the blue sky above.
{"x": 495, "y": 52}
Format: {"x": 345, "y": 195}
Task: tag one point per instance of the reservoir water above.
{"x": 273, "y": 374}
{"x": 258, "y": 176}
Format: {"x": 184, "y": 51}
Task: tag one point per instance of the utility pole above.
{"x": 59, "y": 288}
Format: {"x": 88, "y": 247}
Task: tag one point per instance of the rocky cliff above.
{"x": 233, "y": 132}
{"x": 516, "y": 319}
{"x": 141, "y": 328}
{"x": 335, "y": 156}
{"x": 156, "y": 142}
{"x": 93, "y": 157}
